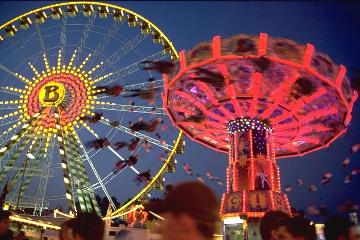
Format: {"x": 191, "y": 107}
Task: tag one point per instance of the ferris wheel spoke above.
{"x": 139, "y": 135}
{"x": 19, "y": 50}
{"x": 12, "y": 91}
{"x": 106, "y": 180}
{"x": 12, "y": 73}
{"x": 132, "y": 68}
{"x": 20, "y": 44}
{"x": 96, "y": 185}
{"x": 82, "y": 157}
{"x": 13, "y": 127}
{"x": 94, "y": 170}
{"x": 85, "y": 35}
{"x": 12, "y": 114}
{"x": 97, "y": 136}
{"x": 63, "y": 39}
{"x": 128, "y": 89}
{"x": 109, "y": 147}
{"x": 127, "y": 108}
{"x": 9, "y": 120}
{"x": 9, "y": 154}
{"x": 105, "y": 41}
{"x": 111, "y": 175}
{"x": 5, "y": 137}
{"x": 11, "y": 104}
{"x": 144, "y": 85}
{"x": 16, "y": 91}
{"x": 126, "y": 48}
{"x": 41, "y": 41}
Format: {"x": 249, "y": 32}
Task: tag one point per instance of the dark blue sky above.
{"x": 333, "y": 28}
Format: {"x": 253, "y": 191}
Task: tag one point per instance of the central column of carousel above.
{"x": 253, "y": 178}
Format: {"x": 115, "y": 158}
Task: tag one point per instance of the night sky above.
{"x": 333, "y": 28}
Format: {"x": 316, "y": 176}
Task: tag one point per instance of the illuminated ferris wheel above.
{"x": 77, "y": 106}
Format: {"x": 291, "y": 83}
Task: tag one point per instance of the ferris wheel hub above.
{"x": 52, "y": 94}
{"x": 60, "y": 89}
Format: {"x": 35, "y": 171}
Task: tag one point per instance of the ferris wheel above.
{"x": 77, "y": 106}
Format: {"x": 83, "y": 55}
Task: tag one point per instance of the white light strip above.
{"x": 233, "y": 220}
{"x": 158, "y": 216}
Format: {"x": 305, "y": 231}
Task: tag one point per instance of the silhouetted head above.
{"x": 339, "y": 228}
{"x": 270, "y": 222}
{"x": 88, "y": 226}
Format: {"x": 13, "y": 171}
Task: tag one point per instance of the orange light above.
{"x": 252, "y": 170}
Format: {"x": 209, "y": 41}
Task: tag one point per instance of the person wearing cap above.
{"x": 189, "y": 211}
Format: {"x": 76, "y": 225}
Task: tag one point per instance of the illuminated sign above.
{"x": 52, "y": 94}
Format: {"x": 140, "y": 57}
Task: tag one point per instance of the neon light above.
{"x": 230, "y": 90}
{"x": 235, "y": 162}
{"x": 268, "y": 158}
{"x": 216, "y": 46}
{"x": 17, "y": 218}
{"x": 243, "y": 200}
{"x": 308, "y": 55}
{"x": 262, "y": 44}
{"x": 256, "y": 82}
{"x": 252, "y": 170}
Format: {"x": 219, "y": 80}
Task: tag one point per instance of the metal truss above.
{"x": 139, "y": 135}
{"x": 29, "y": 165}
{"x": 9, "y": 153}
{"x": 23, "y": 174}
{"x": 129, "y": 108}
{"x": 20, "y": 45}
{"x": 127, "y": 47}
{"x": 84, "y": 36}
{"x": 41, "y": 40}
{"x": 12, "y": 91}
{"x": 32, "y": 171}
{"x": 9, "y": 120}
{"x": 28, "y": 202}
{"x": 19, "y": 50}
{"x": 9, "y": 106}
{"x": 2, "y": 67}
{"x": 63, "y": 38}
{"x": 134, "y": 67}
{"x": 47, "y": 172}
{"x": 104, "y": 42}
{"x": 143, "y": 85}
